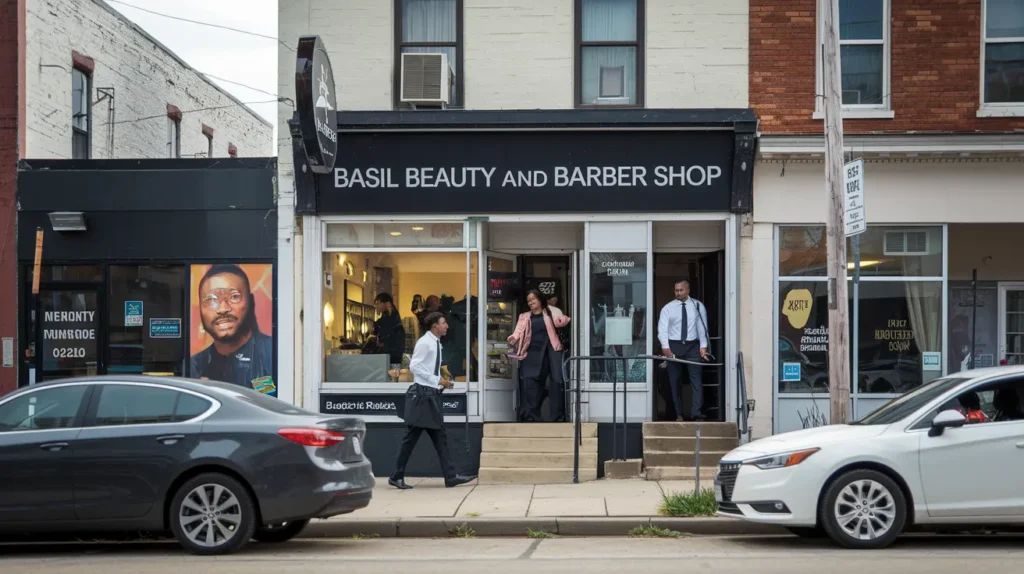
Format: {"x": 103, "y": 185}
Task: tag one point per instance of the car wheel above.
{"x": 282, "y": 532}
{"x": 864, "y": 509}
{"x": 807, "y": 531}
{"x": 212, "y": 514}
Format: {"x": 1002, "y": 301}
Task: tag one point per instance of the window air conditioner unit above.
{"x": 906, "y": 242}
{"x": 427, "y": 80}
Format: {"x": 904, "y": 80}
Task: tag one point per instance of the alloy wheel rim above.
{"x": 210, "y": 515}
{"x": 865, "y": 510}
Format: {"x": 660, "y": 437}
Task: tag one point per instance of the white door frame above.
{"x": 1004, "y": 287}
{"x": 486, "y": 383}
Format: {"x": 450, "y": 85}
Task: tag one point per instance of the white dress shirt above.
{"x": 424, "y": 361}
{"x": 671, "y": 319}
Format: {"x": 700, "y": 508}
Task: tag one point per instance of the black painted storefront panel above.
{"x": 383, "y": 440}
{"x": 150, "y": 209}
{"x": 382, "y": 404}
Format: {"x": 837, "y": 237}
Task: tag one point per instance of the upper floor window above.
{"x": 1003, "y": 74}
{"x": 208, "y": 133}
{"x": 864, "y": 57}
{"x": 431, "y": 27}
{"x": 81, "y": 114}
{"x": 609, "y": 52}
{"x": 173, "y": 137}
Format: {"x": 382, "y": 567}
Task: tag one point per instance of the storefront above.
{"x": 941, "y": 210}
{"x": 464, "y": 211}
{"x": 149, "y": 267}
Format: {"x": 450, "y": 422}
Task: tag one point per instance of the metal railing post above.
{"x": 696, "y": 461}
{"x": 625, "y": 407}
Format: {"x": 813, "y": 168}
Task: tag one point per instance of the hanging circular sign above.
{"x": 317, "y": 104}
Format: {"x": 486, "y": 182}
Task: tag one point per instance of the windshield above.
{"x": 904, "y": 406}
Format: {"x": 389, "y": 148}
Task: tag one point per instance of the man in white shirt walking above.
{"x": 423, "y": 404}
{"x": 683, "y": 333}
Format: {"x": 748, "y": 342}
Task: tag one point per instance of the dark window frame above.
{"x": 460, "y": 84}
{"x": 75, "y": 130}
{"x": 640, "y": 44}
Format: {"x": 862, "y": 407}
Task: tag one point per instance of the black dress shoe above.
{"x": 458, "y": 479}
{"x": 399, "y": 484}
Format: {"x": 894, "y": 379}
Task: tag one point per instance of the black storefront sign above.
{"x": 316, "y": 104}
{"x": 476, "y": 171}
{"x": 503, "y": 286}
{"x": 382, "y": 404}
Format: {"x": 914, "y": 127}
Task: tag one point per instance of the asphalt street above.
{"x": 764, "y": 555}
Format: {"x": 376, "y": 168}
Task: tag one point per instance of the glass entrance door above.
{"x": 67, "y": 333}
{"x": 1011, "y": 323}
{"x": 504, "y": 287}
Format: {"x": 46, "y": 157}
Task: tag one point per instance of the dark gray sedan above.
{"x": 213, "y": 463}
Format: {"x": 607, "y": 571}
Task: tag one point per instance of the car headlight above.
{"x": 783, "y": 460}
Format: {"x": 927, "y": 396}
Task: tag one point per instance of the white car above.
{"x": 921, "y": 460}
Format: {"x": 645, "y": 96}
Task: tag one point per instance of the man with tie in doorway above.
{"x": 683, "y": 333}
{"x": 423, "y": 410}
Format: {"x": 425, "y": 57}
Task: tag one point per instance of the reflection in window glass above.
{"x": 618, "y": 310}
{"x": 154, "y": 342}
{"x": 139, "y": 405}
{"x": 802, "y": 251}
{"x": 46, "y": 409}
{"x": 900, "y": 335}
{"x": 803, "y": 337}
{"x": 368, "y": 339}
{"x": 885, "y": 251}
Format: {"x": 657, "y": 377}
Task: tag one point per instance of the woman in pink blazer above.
{"x": 536, "y": 345}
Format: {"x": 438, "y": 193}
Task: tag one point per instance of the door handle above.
{"x": 1020, "y": 445}
{"x": 53, "y": 446}
{"x": 170, "y": 438}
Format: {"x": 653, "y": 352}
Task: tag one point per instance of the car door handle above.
{"x": 170, "y": 438}
{"x": 1020, "y": 445}
{"x": 53, "y": 446}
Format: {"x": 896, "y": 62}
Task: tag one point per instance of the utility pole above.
{"x": 838, "y": 342}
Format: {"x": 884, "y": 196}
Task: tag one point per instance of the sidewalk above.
{"x": 603, "y": 507}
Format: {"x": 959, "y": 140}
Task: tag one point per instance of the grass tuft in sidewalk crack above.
{"x": 653, "y": 532}
{"x": 688, "y": 504}
{"x": 531, "y": 533}
{"x": 365, "y": 536}
{"x": 462, "y": 531}
{"x": 473, "y": 514}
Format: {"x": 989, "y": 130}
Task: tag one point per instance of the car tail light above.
{"x": 312, "y": 436}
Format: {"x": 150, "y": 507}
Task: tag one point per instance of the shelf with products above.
{"x": 501, "y": 317}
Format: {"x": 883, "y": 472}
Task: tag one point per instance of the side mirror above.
{"x": 947, "y": 419}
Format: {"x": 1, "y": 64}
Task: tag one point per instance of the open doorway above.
{"x": 705, "y": 272}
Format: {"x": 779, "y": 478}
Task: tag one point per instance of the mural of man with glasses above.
{"x": 240, "y": 353}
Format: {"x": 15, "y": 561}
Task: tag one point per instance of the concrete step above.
{"x": 559, "y": 445}
{"x": 489, "y": 475}
{"x": 537, "y": 430}
{"x": 681, "y": 473}
{"x": 557, "y": 460}
{"x": 687, "y": 444}
{"x": 707, "y": 458}
{"x": 673, "y": 429}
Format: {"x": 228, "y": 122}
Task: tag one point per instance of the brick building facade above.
{"x": 933, "y": 102}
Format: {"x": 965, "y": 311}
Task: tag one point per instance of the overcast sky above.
{"x": 250, "y": 60}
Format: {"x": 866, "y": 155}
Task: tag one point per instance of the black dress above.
{"x": 540, "y": 362}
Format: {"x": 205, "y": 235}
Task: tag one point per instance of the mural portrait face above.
{"x": 224, "y": 307}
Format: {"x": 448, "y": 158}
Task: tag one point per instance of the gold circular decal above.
{"x": 797, "y": 307}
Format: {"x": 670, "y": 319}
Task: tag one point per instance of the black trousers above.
{"x": 412, "y": 435}
{"x": 535, "y": 387}
{"x": 691, "y": 352}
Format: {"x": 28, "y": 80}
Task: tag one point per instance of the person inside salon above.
{"x": 683, "y": 334}
{"x": 388, "y": 329}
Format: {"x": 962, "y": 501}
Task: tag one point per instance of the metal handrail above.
{"x": 742, "y": 406}
{"x": 577, "y": 390}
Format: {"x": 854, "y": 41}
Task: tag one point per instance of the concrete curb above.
{"x": 442, "y": 527}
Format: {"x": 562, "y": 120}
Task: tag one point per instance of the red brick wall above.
{"x": 9, "y": 53}
{"x": 935, "y": 71}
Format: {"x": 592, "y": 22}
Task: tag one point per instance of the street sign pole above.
{"x": 855, "y": 225}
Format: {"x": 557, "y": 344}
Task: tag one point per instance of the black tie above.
{"x": 437, "y": 363}
{"x": 684, "y": 328}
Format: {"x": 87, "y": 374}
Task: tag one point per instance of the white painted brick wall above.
{"x": 145, "y": 78}
{"x": 518, "y": 55}
{"x": 697, "y": 53}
